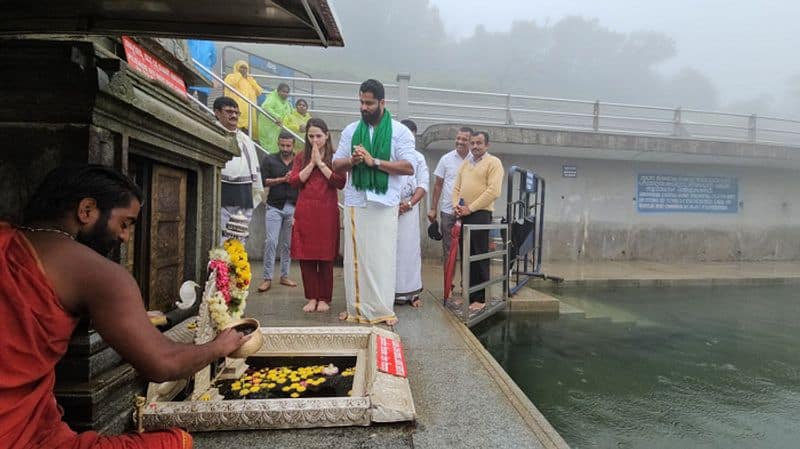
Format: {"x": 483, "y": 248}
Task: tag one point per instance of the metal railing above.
{"x": 338, "y": 100}
{"x": 494, "y": 303}
{"x": 252, "y": 107}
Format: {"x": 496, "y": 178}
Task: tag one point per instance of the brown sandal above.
{"x": 288, "y": 282}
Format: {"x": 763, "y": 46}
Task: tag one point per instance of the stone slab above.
{"x": 535, "y": 301}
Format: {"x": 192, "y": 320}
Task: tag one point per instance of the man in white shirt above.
{"x": 376, "y": 152}
{"x": 446, "y": 171}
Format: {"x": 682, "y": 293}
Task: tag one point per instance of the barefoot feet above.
{"x": 476, "y": 306}
{"x": 323, "y": 306}
{"x": 310, "y": 306}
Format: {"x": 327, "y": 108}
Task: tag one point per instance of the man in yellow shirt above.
{"x": 478, "y": 184}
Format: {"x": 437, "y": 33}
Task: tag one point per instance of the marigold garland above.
{"x": 232, "y": 282}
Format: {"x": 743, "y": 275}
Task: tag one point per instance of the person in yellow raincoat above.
{"x": 241, "y": 80}
{"x": 278, "y": 106}
{"x": 296, "y": 122}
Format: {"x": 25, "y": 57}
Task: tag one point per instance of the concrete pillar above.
{"x": 402, "y": 95}
{"x": 509, "y": 117}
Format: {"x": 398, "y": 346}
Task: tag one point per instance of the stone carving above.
{"x": 177, "y": 47}
{"x": 314, "y": 339}
{"x": 205, "y": 326}
{"x": 381, "y": 397}
{"x": 391, "y": 399}
{"x": 121, "y": 86}
{"x": 258, "y": 414}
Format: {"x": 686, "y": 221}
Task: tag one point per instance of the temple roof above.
{"x": 301, "y": 22}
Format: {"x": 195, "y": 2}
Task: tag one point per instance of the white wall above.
{"x": 594, "y": 215}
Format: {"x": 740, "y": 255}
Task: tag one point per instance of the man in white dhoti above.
{"x": 377, "y": 152}
{"x": 409, "y": 252}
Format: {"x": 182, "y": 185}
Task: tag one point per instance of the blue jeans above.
{"x": 279, "y": 236}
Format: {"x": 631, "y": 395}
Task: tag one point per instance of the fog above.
{"x": 711, "y": 54}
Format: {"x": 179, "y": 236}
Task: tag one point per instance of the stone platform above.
{"x": 463, "y": 398}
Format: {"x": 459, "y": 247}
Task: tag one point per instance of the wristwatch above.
{"x": 410, "y": 206}
{"x": 376, "y": 162}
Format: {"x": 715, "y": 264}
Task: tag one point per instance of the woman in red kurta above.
{"x": 315, "y": 234}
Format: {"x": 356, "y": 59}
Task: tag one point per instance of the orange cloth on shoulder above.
{"x": 34, "y": 336}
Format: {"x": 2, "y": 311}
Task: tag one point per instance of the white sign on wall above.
{"x": 676, "y": 193}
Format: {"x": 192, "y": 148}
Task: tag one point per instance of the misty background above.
{"x": 709, "y": 54}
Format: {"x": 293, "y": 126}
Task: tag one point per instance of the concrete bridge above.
{"x": 725, "y": 187}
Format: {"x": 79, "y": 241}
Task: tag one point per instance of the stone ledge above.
{"x": 538, "y": 424}
{"x": 530, "y": 300}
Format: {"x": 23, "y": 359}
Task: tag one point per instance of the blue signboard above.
{"x": 675, "y": 193}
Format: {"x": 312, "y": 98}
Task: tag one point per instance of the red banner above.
{"x": 390, "y": 357}
{"x": 146, "y": 64}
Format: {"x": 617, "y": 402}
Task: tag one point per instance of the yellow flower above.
{"x": 295, "y": 395}
{"x": 255, "y": 389}
{"x": 271, "y": 385}
{"x": 301, "y": 389}
{"x": 244, "y": 392}
{"x": 285, "y": 389}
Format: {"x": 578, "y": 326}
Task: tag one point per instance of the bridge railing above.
{"x": 337, "y": 100}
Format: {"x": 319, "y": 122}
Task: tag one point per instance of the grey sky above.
{"x": 746, "y": 47}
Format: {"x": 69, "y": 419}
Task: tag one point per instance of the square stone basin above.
{"x": 374, "y": 396}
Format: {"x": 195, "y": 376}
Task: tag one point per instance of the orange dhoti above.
{"x": 35, "y": 334}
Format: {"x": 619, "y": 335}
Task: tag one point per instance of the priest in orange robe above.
{"x": 53, "y": 271}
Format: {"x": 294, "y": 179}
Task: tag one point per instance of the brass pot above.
{"x": 247, "y": 326}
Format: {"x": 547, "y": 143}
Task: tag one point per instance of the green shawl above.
{"x": 370, "y": 178}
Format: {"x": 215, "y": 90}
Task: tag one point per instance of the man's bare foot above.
{"x": 310, "y": 306}
{"x": 455, "y": 301}
{"x": 391, "y": 321}
{"x": 475, "y": 306}
{"x": 265, "y": 285}
{"x": 343, "y": 316}
{"x": 323, "y": 306}
{"x": 416, "y": 302}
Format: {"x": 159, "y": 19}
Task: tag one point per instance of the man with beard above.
{"x": 377, "y": 151}
{"x": 276, "y": 168}
{"x": 53, "y": 272}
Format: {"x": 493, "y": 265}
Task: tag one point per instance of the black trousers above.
{"x": 478, "y": 244}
